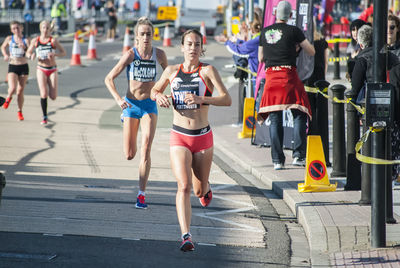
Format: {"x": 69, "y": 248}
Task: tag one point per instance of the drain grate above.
{"x": 27, "y": 256}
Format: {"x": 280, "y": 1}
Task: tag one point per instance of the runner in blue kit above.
{"x": 18, "y": 69}
{"x": 191, "y": 141}
{"x": 137, "y": 107}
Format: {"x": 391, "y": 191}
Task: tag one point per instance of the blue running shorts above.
{"x": 140, "y": 108}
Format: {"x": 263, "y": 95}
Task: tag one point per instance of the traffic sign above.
{"x": 167, "y": 13}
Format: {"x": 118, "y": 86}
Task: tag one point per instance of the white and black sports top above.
{"x": 142, "y": 70}
{"x": 190, "y": 82}
{"x": 43, "y": 49}
{"x": 15, "y": 50}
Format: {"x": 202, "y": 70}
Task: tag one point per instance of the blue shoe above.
{"x": 140, "y": 202}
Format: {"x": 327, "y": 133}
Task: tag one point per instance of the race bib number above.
{"x": 143, "y": 70}
{"x": 43, "y": 54}
{"x": 180, "y": 94}
{"x": 17, "y": 52}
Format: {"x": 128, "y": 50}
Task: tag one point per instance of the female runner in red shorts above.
{"x": 191, "y": 142}
{"x": 46, "y": 47}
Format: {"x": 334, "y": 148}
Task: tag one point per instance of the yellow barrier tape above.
{"x": 360, "y": 109}
{"x": 339, "y": 40}
{"x": 368, "y": 159}
{"x": 246, "y": 70}
{"x": 338, "y": 59}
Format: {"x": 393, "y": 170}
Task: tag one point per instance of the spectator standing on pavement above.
{"x": 353, "y": 48}
{"x": 136, "y": 8}
{"x": 112, "y": 20}
{"x": 57, "y": 11}
{"x": 320, "y": 69}
{"x": 393, "y": 34}
{"x": 191, "y": 141}
{"x": 283, "y": 89}
{"x": 46, "y": 48}
{"x": 137, "y": 107}
{"x": 18, "y": 69}
{"x": 395, "y": 127}
{"x": 362, "y": 72}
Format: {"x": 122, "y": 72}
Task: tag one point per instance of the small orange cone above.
{"x": 76, "y": 52}
{"x": 92, "y": 55}
{"x": 203, "y": 32}
{"x": 167, "y": 37}
{"x": 127, "y": 45}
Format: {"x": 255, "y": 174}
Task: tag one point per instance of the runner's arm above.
{"x": 114, "y": 73}
{"x": 4, "y": 48}
{"x": 156, "y": 93}
{"x": 60, "y": 48}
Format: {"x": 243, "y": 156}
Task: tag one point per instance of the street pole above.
{"x": 378, "y": 176}
{"x": 249, "y": 91}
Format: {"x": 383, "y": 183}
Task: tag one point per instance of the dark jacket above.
{"x": 363, "y": 70}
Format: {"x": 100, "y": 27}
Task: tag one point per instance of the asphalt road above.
{"x": 59, "y": 212}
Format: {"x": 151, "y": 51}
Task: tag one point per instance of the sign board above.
{"x": 167, "y": 13}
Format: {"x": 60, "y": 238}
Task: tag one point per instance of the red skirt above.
{"x": 283, "y": 91}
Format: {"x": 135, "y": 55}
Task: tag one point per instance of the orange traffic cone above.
{"x": 76, "y": 52}
{"x": 92, "y": 55}
{"x": 167, "y": 37}
{"x": 127, "y": 45}
{"x": 203, "y": 32}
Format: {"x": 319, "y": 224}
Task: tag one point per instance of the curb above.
{"x": 307, "y": 216}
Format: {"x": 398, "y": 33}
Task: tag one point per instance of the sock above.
{"x": 141, "y": 193}
{"x": 186, "y": 236}
{"x": 43, "y": 103}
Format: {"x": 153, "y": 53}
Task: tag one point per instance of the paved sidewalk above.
{"x": 337, "y": 227}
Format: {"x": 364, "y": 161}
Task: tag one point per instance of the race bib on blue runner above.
{"x": 143, "y": 70}
{"x": 180, "y": 92}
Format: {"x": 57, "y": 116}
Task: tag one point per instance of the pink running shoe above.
{"x": 20, "y": 116}
{"x": 187, "y": 244}
{"x": 6, "y": 103}
{"x": 206, "y": 199}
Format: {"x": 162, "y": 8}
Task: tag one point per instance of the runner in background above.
{"x": 18, "y": 69}
{"x": 46, "y": 48}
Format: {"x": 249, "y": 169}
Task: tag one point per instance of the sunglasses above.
{"x": 392, "y": 27}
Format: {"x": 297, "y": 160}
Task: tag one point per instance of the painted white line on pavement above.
{"x": 244, "y": 226}
{"x": 132, "y": 239}
{"x": 231, "y": 229}
{"x": 234, "y": 201}
{"x": 49, "y": 234}
{"x": 206, "y": 244}
{"x": 228, "y": 211}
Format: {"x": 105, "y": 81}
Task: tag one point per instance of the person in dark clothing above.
{"x": 353, "y": 48}
{"x": 283, "y": 89}
{"x": 393, "y": 34}
{"x": 395, "y": 127}
{"x": 112, "y": 21}
{"x": 362, "y": 72}
{"x": 320, "y": 69}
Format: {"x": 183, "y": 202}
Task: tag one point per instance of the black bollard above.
{"x": 321, "y": 118}
{"x": 365, "y": 172}
{"x": 336, "y": 53}
{"x": 378, "y": 198}
{"x": 338, "y": 135}
{"x": 241, "y": 96}
{"x": 353, "y": 168}
{"x": 389, "y": 191}
{"x": 2, "y": 184}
